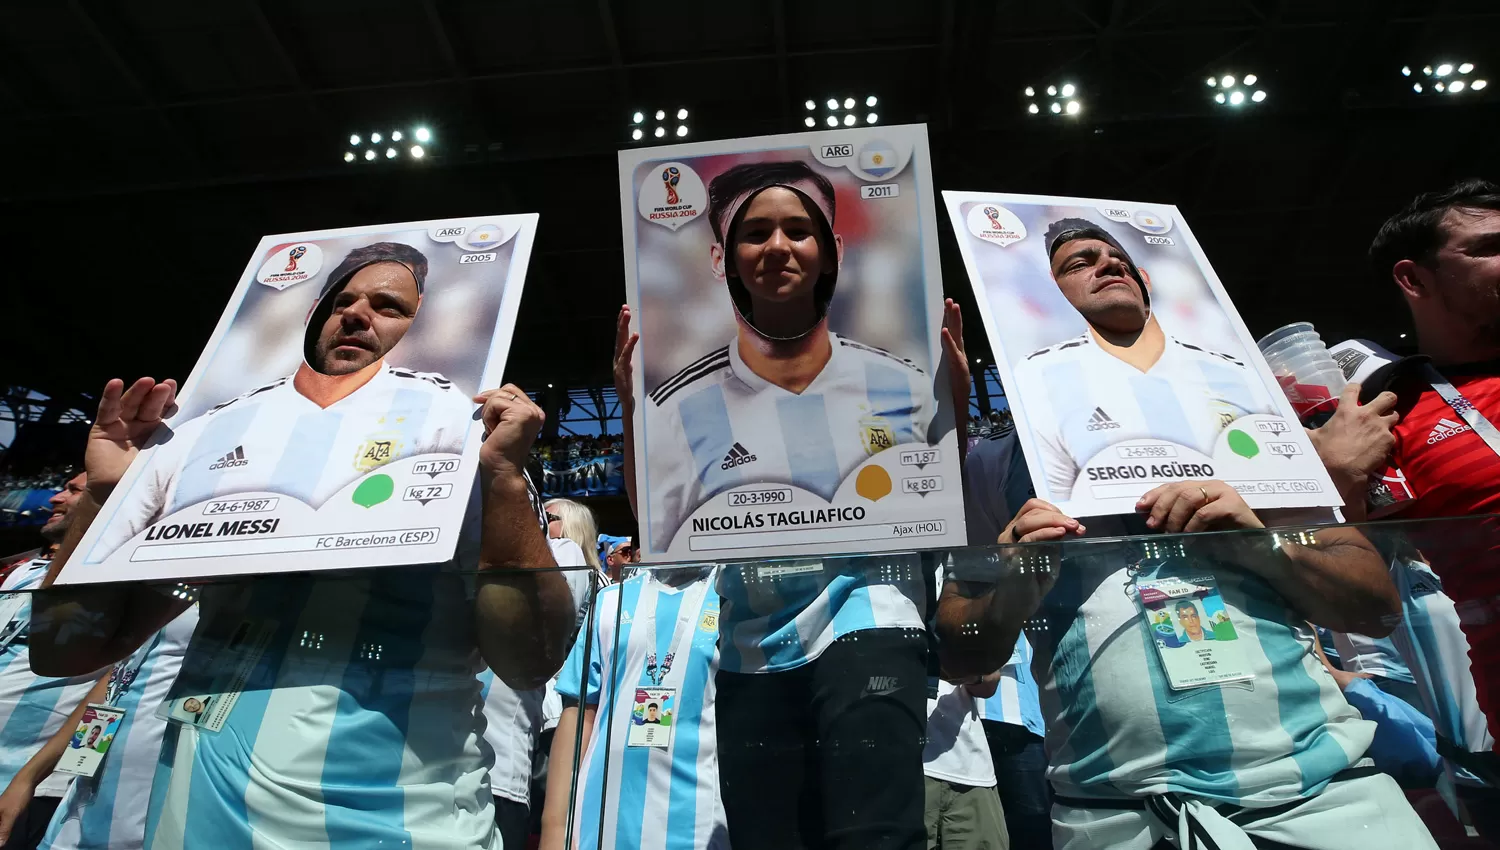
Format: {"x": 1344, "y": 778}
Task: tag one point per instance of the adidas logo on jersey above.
{"x": 1100, "y": 420}
{"x": 234, "y": 458}
{"x": 1446, "y": 428}
{"x": 738, "y": 456}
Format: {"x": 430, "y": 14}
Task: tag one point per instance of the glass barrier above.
{"x": 1318, "y": 687}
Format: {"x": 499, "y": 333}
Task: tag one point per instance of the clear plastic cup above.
{"x": 1305, "y": 370}
{"x": 1294, "y": 331}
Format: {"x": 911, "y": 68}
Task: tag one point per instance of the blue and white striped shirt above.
{"x": 32, "y": 707}
{"x": 665, "y": 798}
{"x": 783, "y": 614}
{"x": 360, "y": 726}
{"x": 108, "y": 811}
{"x": 1016, "y": 700}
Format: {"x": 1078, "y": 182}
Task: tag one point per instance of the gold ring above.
{"x": 1204, "y": 492}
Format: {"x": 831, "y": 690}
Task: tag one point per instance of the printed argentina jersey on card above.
{"x": 1078, "y": 399}
{"x": 108, "y": 811}
{"x": 32, "y": 707}
{"x": 275, "y": 440}
{"x": 717, "y": 425}
{"x": 660, "y": 797}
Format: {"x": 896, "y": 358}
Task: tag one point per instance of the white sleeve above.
{"x": 569, "y": 554}
{"x": 672, "y": 485}
{"x": 448, "y": 424}
{"x": 1059, "y": 469}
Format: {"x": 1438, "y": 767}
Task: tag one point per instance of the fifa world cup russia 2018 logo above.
{"x": 994, "y": 217}
{"x": 669, "y": 178}
{"x": 293, "y": 256}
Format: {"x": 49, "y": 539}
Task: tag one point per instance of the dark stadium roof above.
{"x": 149, "y": 144}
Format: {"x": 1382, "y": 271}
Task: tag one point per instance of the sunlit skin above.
{"x": 1455, "y": 296}
{"x": 1095, "y": 278}
{"x": 57, "y": 524}
{"x": 370, "y": 315}
{"x": 779, "y": 256}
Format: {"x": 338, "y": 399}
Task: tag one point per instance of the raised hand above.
{"x": 125, "y": 421}
{"x": 624, "y": 373}
{"x": 511, "y": 422}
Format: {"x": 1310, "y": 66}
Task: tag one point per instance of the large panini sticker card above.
{"x": 788, "y": 298}
{"x": 329, "y": 422}
{"x": 1123, "y": 359}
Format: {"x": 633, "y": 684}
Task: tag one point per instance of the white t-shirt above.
{"x": 273, "y": 439}
{"x": 957, "y": 750}
{"x": 717, "y": 425}
{"x": 1078, "y": 399}
{"x": 513, "y": 719}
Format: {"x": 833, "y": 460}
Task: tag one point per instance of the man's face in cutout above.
{"x": 369, "y": 315}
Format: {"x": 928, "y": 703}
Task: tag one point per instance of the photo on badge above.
{"x": 1193, "y": 633}
{"x": 1124, "y": 361}
{"x": 651, "y": 717}
{"x": 91, "y": 740}
{"x": 790, "y": 390}
{"x": 329, "y": 422}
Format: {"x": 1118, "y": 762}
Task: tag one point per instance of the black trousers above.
{"x": 828, "y": 755}
{"x": 1021, "y": 779}
{"x": 513, "y": 819}
{"x": 31, "y": 826}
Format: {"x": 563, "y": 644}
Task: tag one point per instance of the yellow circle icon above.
{"x": 874, "y": 483}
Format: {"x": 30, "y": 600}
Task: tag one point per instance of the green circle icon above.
{"x": 373, "y": 490}
{"x": 1243, "y": 444}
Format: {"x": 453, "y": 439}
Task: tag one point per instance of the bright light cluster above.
{"x": 388, "y": 145}
{"x": 1234, "y": 92}
{"x": 842, "y": 113}
{"x": 659, "y": 124}
{"x": 1053, "y": 100}
{"x": 1445, "y": 78}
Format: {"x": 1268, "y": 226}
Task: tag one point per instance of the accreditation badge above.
{"x": 231, "y": 669}
{"x": 90, "y": 742}
{"x": 1193, "y": 634}
{"x": 652, "y": 718}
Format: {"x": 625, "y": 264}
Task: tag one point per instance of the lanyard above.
{"x": 1464, "y": 408}
{"x": 125, "y": 672}
{"x": 692, "y": 600}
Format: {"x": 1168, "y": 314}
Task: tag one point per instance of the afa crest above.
{"x": 710, "y": 622}
{"x": 377, "y": 450}
{"x": 876, "y": 434}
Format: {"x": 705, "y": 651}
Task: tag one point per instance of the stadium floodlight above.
{"x": 1446, "y": 78}
{"x": 423, "y": 135}
{"x": 1058, "y": 99}
{"x": 1213, "y": 82}
{"x": 810, "y": 121}
{"x": 375, "y": 138}
{"x": 396, "y": 135}
{"x": 348, "y": 156}
{"x": 1235, "y": 91}
{"x": 845, "y": 111}
{"x": 417, "y": 152}
{"x": 658, "y": 123}
{"x": 370, "y": 154}
{"x": 390, "y": 153}
{"x": 354, "y": 140}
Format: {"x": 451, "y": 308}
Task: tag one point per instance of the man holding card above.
{"x": 1159, "y": 734}
{"x": 1125, "y": 377}
{"x": 341, "y": 709}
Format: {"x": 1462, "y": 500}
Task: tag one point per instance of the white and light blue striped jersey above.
{"x": 32, "y": 707}
{"x": 108, "y": 811}
{"x": 275, "y": 440}
{"x": 513, "y": 719}
{"x": 783, "y": 614}
{"x": 360, "y": 725}
{"x": 717, "y": 425}
{"x": 956, "y": 749}
{"x": 1376, "y": 656}
{"x": 1115, "y": 727}
{"x": 664, "y": 798}
{"x": 1431, "y": 636}
{"x": 1079, "y": 399}
{"x": 1016, "y": 700}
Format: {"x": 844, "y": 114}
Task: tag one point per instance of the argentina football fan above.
{"x": 1145, "y": 749}
{"x": 354, "y": 716}
{"x": 641, "y": 683}
{"x": 1125, "y": 377}
{"x": 787, "y": 400}
{"x": 344, "y": 412}
{"x": 821, "y": 684}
